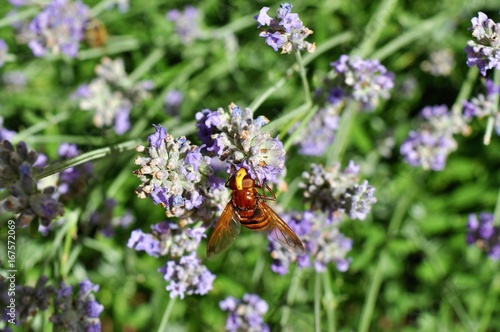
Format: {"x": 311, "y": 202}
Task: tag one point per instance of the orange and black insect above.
{"x": 95, "y": 33}
{"x": 248, "y": 207}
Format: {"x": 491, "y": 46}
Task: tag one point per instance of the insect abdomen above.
{"x": 256, "y": 220}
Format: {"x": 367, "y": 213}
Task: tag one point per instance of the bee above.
{"x": 248, "y": 207}
{"x": 95, "y": 33}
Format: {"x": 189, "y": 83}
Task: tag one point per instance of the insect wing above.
{"x": 226, "y": 230}
{"x": 280, "y": 232}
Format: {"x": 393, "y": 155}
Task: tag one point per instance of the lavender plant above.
{"x": 388, "y": 245}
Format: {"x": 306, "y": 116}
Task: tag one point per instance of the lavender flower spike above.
{"x": 59, "y": 28}
{"x": 484, "y": 51}
{"x": 285, "y": 31}
{"x": 237, "y": 138}
{"x": 174, "y": 174}
{"x": 245, "y": 314}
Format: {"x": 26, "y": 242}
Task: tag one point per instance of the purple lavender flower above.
{"x": 185, "y": 22}
{"x": 430, "y": 146}
{"x": 26, "y": 201}
{"x": 30, "y": 299}
{"x": 323, "y": 241}
{"x": 365, "y": 81}
{"x": 167, "y": 238}
{"x": 72, "y": 181}
{"x": 59, "y": 28}
{"x": 106, "y": 221}
{"x": 337, "y": 192}
{"x": 440, "y": 63}
{"x": 174, "y": 174}
{"x": 80, "y": 313}
{"x": 285, "y": 31}
{"x": 484, "y": 51}
{"x": 245, "y": 314}
{"x": 319, "y": 132}
{"x": 173, "y": 101}
{"x": 187, "y": 276}
{"x": 111, "y": 95}
{"x": 484, "y": 105}
{"x": 238, "y": 139}
{"x": 484, "y": 234}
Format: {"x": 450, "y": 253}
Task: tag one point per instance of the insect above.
{"x": 95, "y": 33}
{"x": 248, "y": 207}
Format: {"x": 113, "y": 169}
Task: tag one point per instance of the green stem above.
{"x": 496, "y": 213}
{"x": 7, "y": 20}
{"x": 491, "y": 301}
{"x": 299, "y": 130}
{"x": 28, "y": 132}
{"x": 491, "y": 118}
{"x": 329, "y": 303}
{"x": 324, "y": 47}
{"x": 147, "y": 64}
{"x": 288, "y": 118}
{"x": 85, "y": 157}
{"x": 421, "y": 30}
{"x": 317, "y": 299}
{"x": 465, "y": 90}
{"x": 337, "y": 149}
{"x": 375, "y": 27}
{"x": 166, "y": 315}
{"x": 303, "y": 76}
{"x": 290, "y": 296}
{"x": 394, "y": 225}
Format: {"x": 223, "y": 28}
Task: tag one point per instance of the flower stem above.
{"x": 317, "y": 299}
{"x": 375, "y": 27}
{"x": 491, "y": 302}
{"x": 166, "y": 315}
{"x": 378, "y": 275}
{"x": 299, "y": 130}
{"x": 496, "y": 213}
{"x": 28, "y": 132}
{"x": 421, "y": 30}
{"x": 18, "y": 16}
{"x": 303, "y": 76}
{"x": 329, "y": 302}
{"x": 491, "y": 118}
{"x": 337, "y": 149}
{"x": 85, "y": 157}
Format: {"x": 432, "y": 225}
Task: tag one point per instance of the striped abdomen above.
{"x": 247, "y": 206}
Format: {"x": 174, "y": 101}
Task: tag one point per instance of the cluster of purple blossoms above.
{"x": 173, "y": 101}
{"x": 484, "y": 234}
{"x": 337, "y": 192}
{"x": 80, "y": 313}
{"x": 185, "y": 22}
{"x": 323, "y": 241}
{"x": 3, "y": 52}
{"x": 72, "y": 181}
{"x": 187, "y": 276}
{"x": 58, "y": 28}
{"x": 237, "y": 138}
{"x": 440, "y": 63}
{"x": 484, "y": 105}
{"x": 112, "y": 95}
{"x": 167, "y": 238}
{"x": 364, "y": 81}
{"x": 484, "y": 51}
{"x": 429, "y": 146}
{"x": 26, "y": 201}
{"x": 30, "y": 299}
{"x": 285, "y": 31}
{"x": 245, "y": 314}
{"x": 319, "y": 133}
{"x": 106, "y": 221}
{"x": 174, "y": 174}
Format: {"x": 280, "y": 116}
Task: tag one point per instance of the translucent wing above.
{"x": 225, "y": 232}
{"x": 280, "y": 232}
